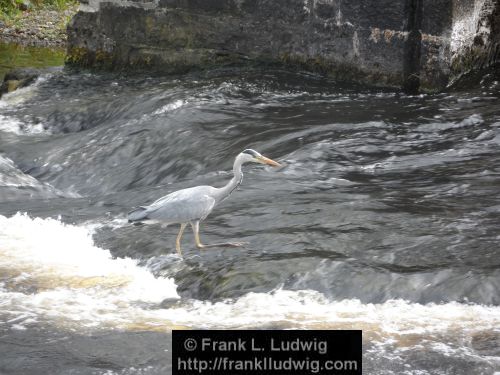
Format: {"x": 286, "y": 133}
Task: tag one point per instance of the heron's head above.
{"x": 252, "y": 156}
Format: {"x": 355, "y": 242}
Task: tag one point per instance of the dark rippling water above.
{"x": 385, "y": 217}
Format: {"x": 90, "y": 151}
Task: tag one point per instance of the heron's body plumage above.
{"x": 181, "y": 206}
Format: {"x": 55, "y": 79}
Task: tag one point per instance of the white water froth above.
{"x": 310, "y": 309}
{"x": 75, "y": 280}
{"x": 465, "y": 25}
{"x": 80, "y": 286}
{"x": 171, "y": 107}
{"x": 12, "y": 124}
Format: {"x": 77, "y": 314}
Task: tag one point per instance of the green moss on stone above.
{"x": 76, "y": 55}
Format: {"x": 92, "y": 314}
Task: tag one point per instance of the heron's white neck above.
{"x": 226, "y": 191}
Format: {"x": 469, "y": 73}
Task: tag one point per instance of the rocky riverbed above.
{"x": 45, "y": 27}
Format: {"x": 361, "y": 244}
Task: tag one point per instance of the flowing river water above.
{"x": 384, "y": 217}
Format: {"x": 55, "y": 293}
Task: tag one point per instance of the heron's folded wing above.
{"x": 181, "y": 209}
{"x": 138, "y": 214}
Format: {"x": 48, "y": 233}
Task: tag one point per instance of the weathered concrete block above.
{"x": 405, "y": 43}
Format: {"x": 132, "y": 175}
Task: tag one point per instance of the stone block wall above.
{"x": 414, "y": 44}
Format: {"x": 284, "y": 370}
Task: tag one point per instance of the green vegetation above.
{"x": 11, "y": 9}
{"x": 42, "y": 24}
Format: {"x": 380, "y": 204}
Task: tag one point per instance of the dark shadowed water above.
{"x": 385, "y": 217}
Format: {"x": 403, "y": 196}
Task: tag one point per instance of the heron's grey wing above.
{"x": 182, "y": 210}
{"x": 181, "y": 206}
{"x": 138, "y": 214}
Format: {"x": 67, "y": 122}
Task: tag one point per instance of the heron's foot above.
{"x": 224, "y": 244}
{"x": 236, "y": 244}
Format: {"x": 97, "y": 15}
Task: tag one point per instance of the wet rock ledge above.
{"x": 414, "y": 44}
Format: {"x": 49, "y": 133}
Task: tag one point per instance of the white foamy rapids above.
{"x": 10, "y": 124}
{"x": 464, "y": 27}
{"x": 51, "y": 272}
{"x": 170, "y": 107}
{"x": 310, "y": 309}
{"x": 14, "y": 125}
{"x": 75, "y": 280}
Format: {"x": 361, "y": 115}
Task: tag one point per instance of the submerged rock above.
{"x": 410, "y": 43}
{"x": 22, "y": 77}
{"x": 18, "y": 78}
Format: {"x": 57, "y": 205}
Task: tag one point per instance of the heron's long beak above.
{"x": 264, "y": 160}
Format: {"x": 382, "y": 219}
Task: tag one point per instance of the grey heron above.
{"x": 194, "y": 204}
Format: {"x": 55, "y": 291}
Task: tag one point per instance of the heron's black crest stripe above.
{"x": 251, "y": 152}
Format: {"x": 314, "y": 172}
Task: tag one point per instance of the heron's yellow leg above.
{"x": 196, "y": 231}
{"x": 178, "y": 239}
